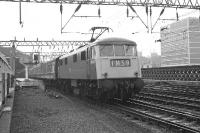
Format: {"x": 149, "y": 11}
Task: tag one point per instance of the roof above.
{"x": 115, "y": 40}
{"x": 8, "y": 51}
{"x": 2, "y": 57}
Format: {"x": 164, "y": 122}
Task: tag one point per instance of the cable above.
{"x": 78, "y": 7}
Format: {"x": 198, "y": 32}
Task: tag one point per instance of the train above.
{"x": 105, "y": 69}
{"x": 6, "y": 78}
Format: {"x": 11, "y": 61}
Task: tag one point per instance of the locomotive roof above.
{"x": 115, "y": 40}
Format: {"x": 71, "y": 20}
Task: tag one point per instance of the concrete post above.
{"x": 13, "y": 58}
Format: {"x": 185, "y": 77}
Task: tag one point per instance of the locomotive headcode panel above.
{"x": 120, "y": 63}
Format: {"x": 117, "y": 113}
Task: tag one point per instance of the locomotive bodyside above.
{"x": 76, "y": 65}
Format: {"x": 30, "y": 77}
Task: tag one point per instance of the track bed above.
{"x": 36, "y": 111}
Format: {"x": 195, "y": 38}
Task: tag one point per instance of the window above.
{"x": 83, "y": 55}
{"x": 75, "y": 58}
{"x": 129, "y": 50}
{"x": 88, "y": 53}
{"x": 66, "y": 61}
{"x": 49, "y": 68}
{"x": 106, "y": 50}
{"x": 119, "y": 50}
{"x": 93, "y": 52}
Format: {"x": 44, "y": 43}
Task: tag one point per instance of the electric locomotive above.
{"x": 104, "y": 69}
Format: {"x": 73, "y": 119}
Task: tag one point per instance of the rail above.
{"x": 143, "y": 114}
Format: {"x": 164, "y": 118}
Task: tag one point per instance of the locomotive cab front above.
{"x": 118, "y": 67}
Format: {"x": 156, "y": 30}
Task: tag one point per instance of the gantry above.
{"x": 187, "y": 4}
{"x": 35, "y": 45}
{"x": 190, "y": 4}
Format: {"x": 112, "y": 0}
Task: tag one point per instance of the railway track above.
{"x": 174, "y": 106}
{"x": 188, "y": 123}
{"x": 163, "y": 101}
{"x": 175, "y": 98}
{"x": 167, "y": 115}
{"x": 174, "y": 94}
{"x": 157, "y": 107}
{"x": 174, "y": 90}
{"x": 179, "y": 95}
{"x": 171, "y": 100}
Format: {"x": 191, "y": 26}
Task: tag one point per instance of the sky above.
{"x": 43, "y": 21}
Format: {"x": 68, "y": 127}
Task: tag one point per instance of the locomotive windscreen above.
{"x": 106, "y": 50}
{"x": 130, "y": 50}
{"x": 117, "y": 50}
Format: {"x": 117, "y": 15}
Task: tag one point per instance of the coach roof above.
{"x": 116, "y": 41}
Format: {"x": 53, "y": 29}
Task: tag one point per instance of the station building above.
{"x": 180, "y": 43}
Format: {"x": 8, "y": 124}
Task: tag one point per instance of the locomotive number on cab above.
{"x": 120, "y": 63}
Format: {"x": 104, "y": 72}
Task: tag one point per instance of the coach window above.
{"x": 66, "y": 61}
{"x": 106, "y": 50}
{"x": 75, "y": 58}
{"x": 119, "y": 50}
{"x": 83, "y": 55}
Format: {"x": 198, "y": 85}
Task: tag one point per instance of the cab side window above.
{"x": 66, "y": 61}
{"x": 75, "y": 58}
{"x": 60, "y": 62}
{"x": 83, "y": 55}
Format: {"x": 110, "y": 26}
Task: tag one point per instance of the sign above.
{"x": 120, "y": 63}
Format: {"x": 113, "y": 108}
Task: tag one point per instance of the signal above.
{"x": 36, "y": 58}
